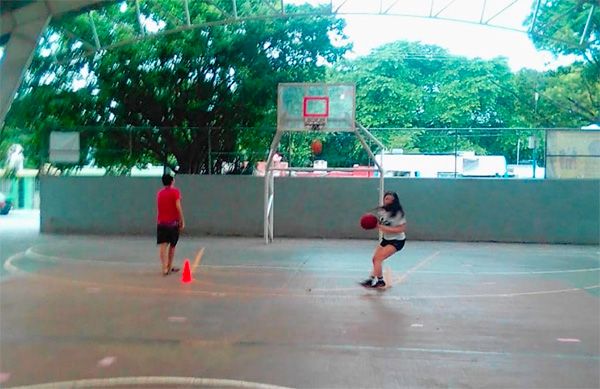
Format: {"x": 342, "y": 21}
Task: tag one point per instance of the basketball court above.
{"x": 96, "y": 312}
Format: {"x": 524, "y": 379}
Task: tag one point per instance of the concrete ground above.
{"x": 94, "y": 311}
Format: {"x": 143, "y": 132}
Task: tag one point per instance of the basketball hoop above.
{"x": 315, "y": 111}
{"x": 314, "y": 107}
{"x": 303, "y": 107}
{"x": 312, "y": 123}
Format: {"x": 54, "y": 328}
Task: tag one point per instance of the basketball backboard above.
{"x": 315, "y": 107}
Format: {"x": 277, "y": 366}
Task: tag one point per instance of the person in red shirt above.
{"x": 169, "y": 222}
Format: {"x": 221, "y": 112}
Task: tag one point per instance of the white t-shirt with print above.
{"x": 386, "y": 219}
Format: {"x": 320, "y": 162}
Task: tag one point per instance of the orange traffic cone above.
{"x": 186, "y": 275}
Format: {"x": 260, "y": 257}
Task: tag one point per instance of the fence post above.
{"x": 209, "y": 167}
{"x": 455, "y": 153}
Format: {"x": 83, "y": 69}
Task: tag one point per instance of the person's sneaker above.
{"x": 378, "y": 284}
{"x": 367, "y": 283}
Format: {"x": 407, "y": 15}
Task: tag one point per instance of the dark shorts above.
{"x": 398, "y": 244}
{"x": 167, "y": 234}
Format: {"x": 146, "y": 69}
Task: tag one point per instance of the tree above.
{"x": 410, "y": 85}
{"x": 571, "y": 27}
{"x": 560, "y": 26}
{"x": 166, "y": 94}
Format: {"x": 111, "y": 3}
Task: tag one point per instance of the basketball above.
{"x": 368, "y": 221}
{"x": 316, "y": 146}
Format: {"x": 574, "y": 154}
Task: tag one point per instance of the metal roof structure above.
{"x": 21, "y": 24}
{"x": 23, "y": 21}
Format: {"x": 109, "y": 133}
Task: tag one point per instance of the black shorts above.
{"x": 398, "y": 244}
{"x": 167, "y": 234}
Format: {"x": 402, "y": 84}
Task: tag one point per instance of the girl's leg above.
{"x": 380, "y": 255}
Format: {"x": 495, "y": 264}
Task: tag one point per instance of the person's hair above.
{"x": 167, "y": 179}
{"x": 395, "y": 206}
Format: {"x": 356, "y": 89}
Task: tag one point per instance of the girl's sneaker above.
{"x": 378, "y": 284}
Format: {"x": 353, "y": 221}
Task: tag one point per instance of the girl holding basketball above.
{"x": 392, "y": 224}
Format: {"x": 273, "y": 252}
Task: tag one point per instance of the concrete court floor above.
{"x": 94, "y": 311}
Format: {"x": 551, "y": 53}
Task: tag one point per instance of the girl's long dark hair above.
{"x": 395, "y": 206}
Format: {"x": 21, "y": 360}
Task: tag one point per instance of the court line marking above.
{"x": 457, "y": 351}
{"x": 301, "y": 295}
{"x": 569, "y": 340}
{"x": 393, "y": 282}
{"x": 9, "y": 267}
{"x": 130, "y": 381}
{"x": 44, "y": 257}
{"x": 198, "y": 259}
{"x": 422, "y": 263}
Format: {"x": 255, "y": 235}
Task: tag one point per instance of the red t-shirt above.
{"x": 166, "y": 199}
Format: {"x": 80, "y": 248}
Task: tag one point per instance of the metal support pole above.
{"x": 371, "y": 136}
{"x": 269, "y": 184}
{"x": 455, "y": 153}
{"x": 587, "y": 25}
{"x": 269, "y": 194}
{"x": 379, "y": 165}
{"x": 130, "y": 141}
{"x": 381, "y": 182}
{"x": 187, "y": 12}
{"x": 94, "y": 32}
{"x": 139, "y": 17}
{"x": 209, "y": 152}
{"x": 501, "y": 11}
{"x": 371, "y": 155}
{"x": 545, "y": 152}
{"x": 273, "y": 149}
{"x": 482, "y": 11}
{"x": 534, "y": 159}
{"x": 271, "y": 215}
{"x": 535, "y": 14}
{"x": 444, "y": 8}
{"x": 532, "y": 145}
{"x": 268, "y": 208}
{"x": 234, "y": 5}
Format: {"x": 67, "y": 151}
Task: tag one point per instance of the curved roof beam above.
{"x": 488, "y": 13}
{"x": 21, "y": 24}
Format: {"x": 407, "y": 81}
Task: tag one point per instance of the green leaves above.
{"x": 222, "y": 77}
{"x": 560, "y": 26}
{"x": 571, "y": 27}
{"x": 165, "y": 98}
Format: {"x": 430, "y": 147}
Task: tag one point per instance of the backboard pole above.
{"x": 379, "y": 165}
{"x": 370, "y": 135}
{"x": 269, "y": 194}
{"x": 271, "y": 218}
{"x": 313, "y": 107}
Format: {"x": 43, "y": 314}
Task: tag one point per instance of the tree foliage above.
{"x": 223, "y": 78}
{"x": 410, "y": 85}
{"x": 202, "y": 96}
{"x": 559, "y": 26}
{"x": 571, "y": 27}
